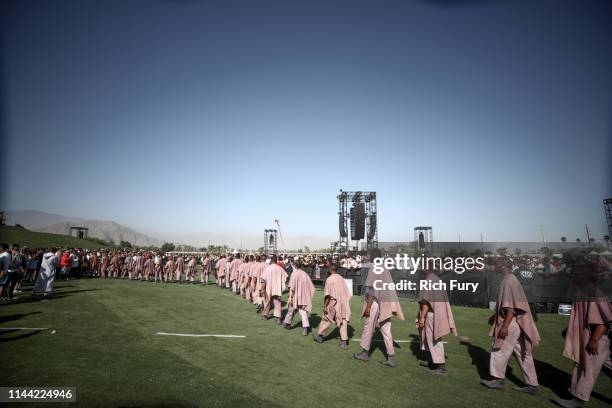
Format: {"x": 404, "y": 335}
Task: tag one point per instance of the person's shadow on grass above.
{"x": 378, "y": 344}
{"x": 480, "y": 358}
{"x": 11, "y": 318}
{"x": 4, "y": 338}
{"x": 415, "y": 348}
{"x": 37, "y": 298}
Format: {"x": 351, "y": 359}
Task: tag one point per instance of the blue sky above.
{"x": 187, "y": 116}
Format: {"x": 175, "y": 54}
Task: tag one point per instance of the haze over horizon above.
{"x": 180, "y": 117}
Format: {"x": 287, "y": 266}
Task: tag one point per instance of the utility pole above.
{"x": 588, "y": 235}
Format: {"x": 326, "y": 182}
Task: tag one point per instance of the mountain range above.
{"x": 59, "y": 224}
{"x": 112, "y": 231}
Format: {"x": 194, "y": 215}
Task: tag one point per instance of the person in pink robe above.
{"x": 257, "y": 282}
{"x": 241, "y": 275}
{"x": 379, "y": 305}
{"x": 191, "y": 269}
{"x": 95, "y": 264}
{"x": 179, "y": 268}
{"x": 274, "y": 280}
{"x": 301, "y": 291}
{"x": 587, "y": 341}
{"x": 513, "y": 331}
{"x": 125, "y": 270}
{"x": 148, "y": 267}
{"x": 228, "y": 266}
{"x": 336, "y": 307}
{"x": 233, "y": 272}
{"x": 138, "y": 265}
{"x": 248, "y": 288}
{"x": 205, "y": 269}
{"x": 104, "y": 265}
{"x": 434, "y": 321}
{"x": 220, "y": 270}
{"x": 114, "y": 265}
{"x": 169, "y": 269}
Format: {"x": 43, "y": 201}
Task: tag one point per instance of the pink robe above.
{"x": 338, "y": 308}
{"x": 303, "y": 290}
{"x": 587, "y": 311}
{"x": 220, "y": 267}
{"x": 241, "y": 273}
{"x": 148, "y": 267}
{"x": 275, "y": 279}
{"x": 443, "y": 320}
{"x": 234, "y": 265}
{"x": 257, "y": 272}
{"x": 584, "y": 314}
{"x": 180, "y": 267}
{"x": 388, "y": 303}
{"x": 169, "y": 268}
{"x": 512, "y": 296}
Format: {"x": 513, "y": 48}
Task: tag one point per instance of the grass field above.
{"x": 105, "y": 344}
{"x": 34, "y": 239}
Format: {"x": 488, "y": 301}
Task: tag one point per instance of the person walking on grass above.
{"x": 336, "y": 307}
{"x": 301, "y": 292}
{"x": 220, "y": 270}
{"x": 274, "y": 279}
{"x": 434, "y": 321}
{"x": 513, "y": 332}
{"x": 379, "y": 306}
{"x": 587, "y": 340}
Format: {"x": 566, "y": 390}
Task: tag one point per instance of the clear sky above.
{"x": 184, "y": 116}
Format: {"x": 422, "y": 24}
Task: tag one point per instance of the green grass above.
{"x": 34, "y": 239}
{"x": 105, "y": 345}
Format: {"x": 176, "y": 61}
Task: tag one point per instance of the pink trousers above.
{"x": 303, "y": 315}
{"x": 276, "y": 301}
{"x": 513, "y": 345}
{"x": 325, "y": 323}
{"x": 584, "y": 378}
{"x": 428, "y": 343}
{"x": 370, "y": 326}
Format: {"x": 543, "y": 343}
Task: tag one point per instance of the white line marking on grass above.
{"x": 396, "y": 341}
{"x": 226, "y": 336}
{"x": 24, "y": 328}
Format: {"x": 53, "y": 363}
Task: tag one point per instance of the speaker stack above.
{"x": 358, "y": 217}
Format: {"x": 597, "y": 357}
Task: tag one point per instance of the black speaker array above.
{"x": 342, "y": 226}
{"x": 358, "y": 218}
{"x": 372, "y": 229}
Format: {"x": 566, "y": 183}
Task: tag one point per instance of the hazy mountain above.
{"x": 111, "y": 231}
{"x": 34, "y": 219}
{"x": 58, "y": 224}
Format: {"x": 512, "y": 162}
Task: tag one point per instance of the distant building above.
{"x": 79, "y": 232}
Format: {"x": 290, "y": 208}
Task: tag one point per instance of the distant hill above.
{"x": 32, "y": 239}
{"x": 35, "y": 220}
{"x": 58, "y": 224}
{"x": 113, "y": 232}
